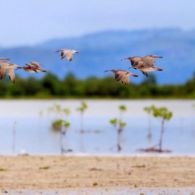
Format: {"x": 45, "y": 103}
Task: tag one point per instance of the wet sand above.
{"x": 65, "y": 172}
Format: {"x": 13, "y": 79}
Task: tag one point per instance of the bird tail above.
{"x": 43, "y": 70}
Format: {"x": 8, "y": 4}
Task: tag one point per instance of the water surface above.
{"x": 26, "y": 127}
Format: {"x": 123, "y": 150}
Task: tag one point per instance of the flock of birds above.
{"x": 145, "y": 64}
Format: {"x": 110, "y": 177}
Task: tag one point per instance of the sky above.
{"x": 28, "y": 22}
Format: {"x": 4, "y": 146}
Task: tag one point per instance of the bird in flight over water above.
{"x": 8, "y": 69}
{"x": 145, "y": 64}
{"x": 122, "y": 75}
{"x": 67, "y": 53}
{"x": 33, "y": 67}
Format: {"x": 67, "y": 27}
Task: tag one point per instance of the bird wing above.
{"x": 2, "y": 71}
{"x": 150, "y": 60}
{"x": 62, "y": 53}
{"x": 35, "y": 64}
{"x": 28, "y": 68}
{"x": 11, "y": 74}
{"x": 122, "y": 76}
{"x": 118, "y": 76}
{"x": 125, "y": 79}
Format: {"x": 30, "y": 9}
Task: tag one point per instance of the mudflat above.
{"x": 63, "y": 172}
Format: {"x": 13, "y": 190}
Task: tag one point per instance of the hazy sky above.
{"x": 26, "y": 22}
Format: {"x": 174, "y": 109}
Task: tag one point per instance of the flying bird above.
{"x": 145, "y": 64}
{"x": 33, "y": 67}
{"x": 67, "y": 53}
{"x": 8, "y": 69}
{"x": 148, "y": 64}
{"x": 147, "y": 60}
{"x": 122, "y": 75}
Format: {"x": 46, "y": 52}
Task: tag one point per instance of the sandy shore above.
{"x": 61, "y": 172}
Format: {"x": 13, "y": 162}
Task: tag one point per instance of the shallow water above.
{"x": 26, "y": 127}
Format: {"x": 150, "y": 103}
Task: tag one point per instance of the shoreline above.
{"x": 104, "y": 155}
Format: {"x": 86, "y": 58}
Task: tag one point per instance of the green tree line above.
{"x": 50, "y": 86}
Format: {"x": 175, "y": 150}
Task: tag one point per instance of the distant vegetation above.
{"x": 50, "y": 86}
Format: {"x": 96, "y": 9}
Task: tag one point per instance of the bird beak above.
{"x": 77, "y": 52}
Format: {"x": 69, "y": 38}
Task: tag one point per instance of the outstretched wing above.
{"x": 3, "y": 68}
{"x": 35, "y": 64}
{"x": 2, "y": 72}
{"x": 62, "y": 54}
{"x": 122, "y": 76}
{"x": 150, "y": 60}
{"x": 11, "y": 74}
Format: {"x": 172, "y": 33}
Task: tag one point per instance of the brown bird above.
{"x": 8, "y": 69}
{"x": 67, "y": 53}
{"x": 33, "y": 67}
{"x": 122, "y": 75}
{"x": 145, "y": 64}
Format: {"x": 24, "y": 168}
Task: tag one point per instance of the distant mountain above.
{"x": 103, "y": 50}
